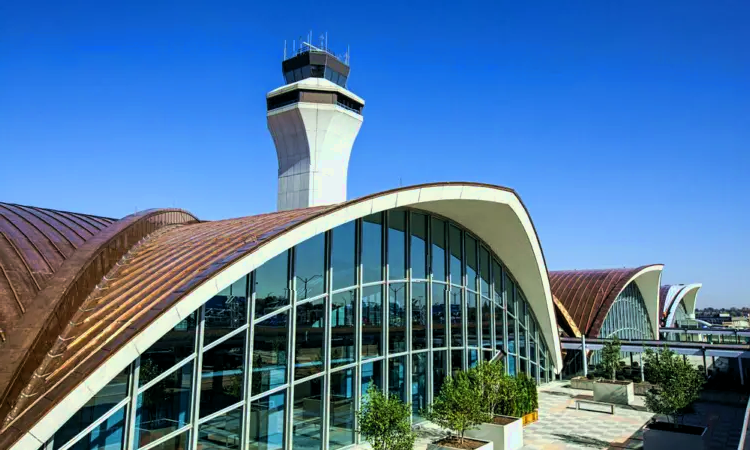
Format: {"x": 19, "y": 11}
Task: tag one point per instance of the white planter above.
{"x": 582, "y": 383}
{"x": 617, "y": 392}
{"x": 688, "y": 438}
{"x": 505, "y": 437}
{"x": 486, "y": 446}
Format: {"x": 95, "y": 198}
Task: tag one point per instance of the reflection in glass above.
{"x": 419, "y": 315}
{"x": 226, "y": 311}
{"x": 512, "y": 365}
{"x": 397, "y": 377}
{"x": 457, "y": 361}
{"x": 396, "y": 245}
{"x": 309, "y": 267}
{"x": 372, "y": 321}
{"x": 164, "y": 407}
{"x": 510, "y": 302}
{"x": 473, "y": 357}
{"x": 457, "y": 332}
{"x": 179, "y": 442}
{"x": 222, "y": 375}
{"x": 308, "y": 415}
{"x": 455, "y": 245}
{"x": 108, "y": 435}
{"x": 511, "y": 335}
{"x": 221, "y": 432}
{"x": 372, "y": 372}
{"x": 472, "y": 319}
{"x": 471, "y": 263}
{"x": 170, "y": 349}
{"x": 499, "y": 327}
{"x": 438, "y": 249}
{"x": 522, "y": 365}
{"x": 110, "y": 432}
{"x": 372, "y": 250}
{"x": 486, "y": 323}
{"x": 342, "y": 256}
{"x": 439, "y": 371}
{"x": 397, "y": 317}
{"x": 342, "y": 328}
{"x": 521, "y": 342}
{"x": 438, "y": 316}
{"x": 267, "y": 422}
{"x": 271, "y": 285}
{"x": 418, "y": 246}
{"x": 497, "y": 278}
{"x": 270, "y": 353}
{"x": 419, "y": 384}
{"x": 308, "y": 345}
{"x": 484, "y": 270}
{"x": 341, "y": 409}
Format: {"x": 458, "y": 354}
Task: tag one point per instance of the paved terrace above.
{"x": 562, "y": 427}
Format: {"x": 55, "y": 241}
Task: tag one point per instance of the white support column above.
{"x": 583, "y": 354}
{"x": 640, "y": 358}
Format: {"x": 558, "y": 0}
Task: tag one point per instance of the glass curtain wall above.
{"x": 282, "y": 358}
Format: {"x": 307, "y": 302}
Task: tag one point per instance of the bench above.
{"x": 611, "y": 406}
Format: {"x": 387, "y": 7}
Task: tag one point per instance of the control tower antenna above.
{"x": 284, "y": 48}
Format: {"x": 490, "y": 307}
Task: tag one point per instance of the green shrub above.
{"x": 677, "y": 384}
{"x": 590, "y": 376}
{"x": 460, "y": 405}
{"x": 490, "y": 379}
{"x": 385, "y": 422}
{"x": 611, "y": 357}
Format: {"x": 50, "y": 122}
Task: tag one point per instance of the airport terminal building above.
{"x": 163, "y": 331}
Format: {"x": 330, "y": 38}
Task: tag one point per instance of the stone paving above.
{"x": 562, "y": 427}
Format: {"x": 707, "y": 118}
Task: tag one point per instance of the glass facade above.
{"x": 282, "y": 357}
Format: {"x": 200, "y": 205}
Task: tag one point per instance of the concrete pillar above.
{"x": 583, "y": 354}
{"x": 705, "y": 366}
{"x": 640, "y": 357}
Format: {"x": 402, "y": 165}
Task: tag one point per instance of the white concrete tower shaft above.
{"x": 313, "y": 122}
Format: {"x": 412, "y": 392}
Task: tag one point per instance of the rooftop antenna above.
{"x": 326, "y": 41}
{"x": 294, "y": 47}
{"x": 347, "y": 55}
{"x": 284, "y": 49}
{"x": 322, "y": 41}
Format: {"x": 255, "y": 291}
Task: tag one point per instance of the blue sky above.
{"x": 624, "y": 126}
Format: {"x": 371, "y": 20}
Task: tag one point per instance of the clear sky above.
{"x": 624, "y": 126}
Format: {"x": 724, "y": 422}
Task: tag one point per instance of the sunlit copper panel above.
{"x": 588, "y": 294}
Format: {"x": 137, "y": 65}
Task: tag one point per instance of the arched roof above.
{"x": 670, "y": 297}
{"x": 588, "y": 295}
{"x": 174, "y": 270}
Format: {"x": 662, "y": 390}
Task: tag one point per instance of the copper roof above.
{"x": 78, "y": 256}
{"x": 34, "y": 242}
{"x": 589, "y": 294}
{"x": 173, "y": 255}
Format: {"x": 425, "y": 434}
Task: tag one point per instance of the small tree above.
{"x": 508, "y": 394}
{"x": 385, "y": 421}
{"x": 529, "y": 397}
{"x": 489, "y": 377}
{"x": 460, "y": 406}
{"x": 611, "y": 357}
{"x": 677, "y": 384}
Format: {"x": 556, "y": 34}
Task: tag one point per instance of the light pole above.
{"x": 307, "y": 280}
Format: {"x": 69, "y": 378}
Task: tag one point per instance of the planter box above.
{"x": 642, "y": 388}
{"x": 530, "y": 417}
{"x": 504, "y": 437}
{"x": 662, "y": 435}
{"x": 486, "y": 446}
{"x": 582, "y": 383}
{"x": 617, "y": 392}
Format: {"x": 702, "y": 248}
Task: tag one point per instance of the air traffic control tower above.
{"x": 314, "y": 121}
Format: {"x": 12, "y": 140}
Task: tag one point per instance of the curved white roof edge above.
{"x": 688, "y": 294}
{"x": 648, "y": 281}
{"x": 495, "y": 215}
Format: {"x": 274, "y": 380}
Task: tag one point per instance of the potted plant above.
{"x": 613, "y": 391}
{"x": 459, "y": 408}
{"x": 677, "y": 385}
{"x": 385, "y": 422}
{"x": 527, "y": 399}
{"x": 499, "y": 393}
